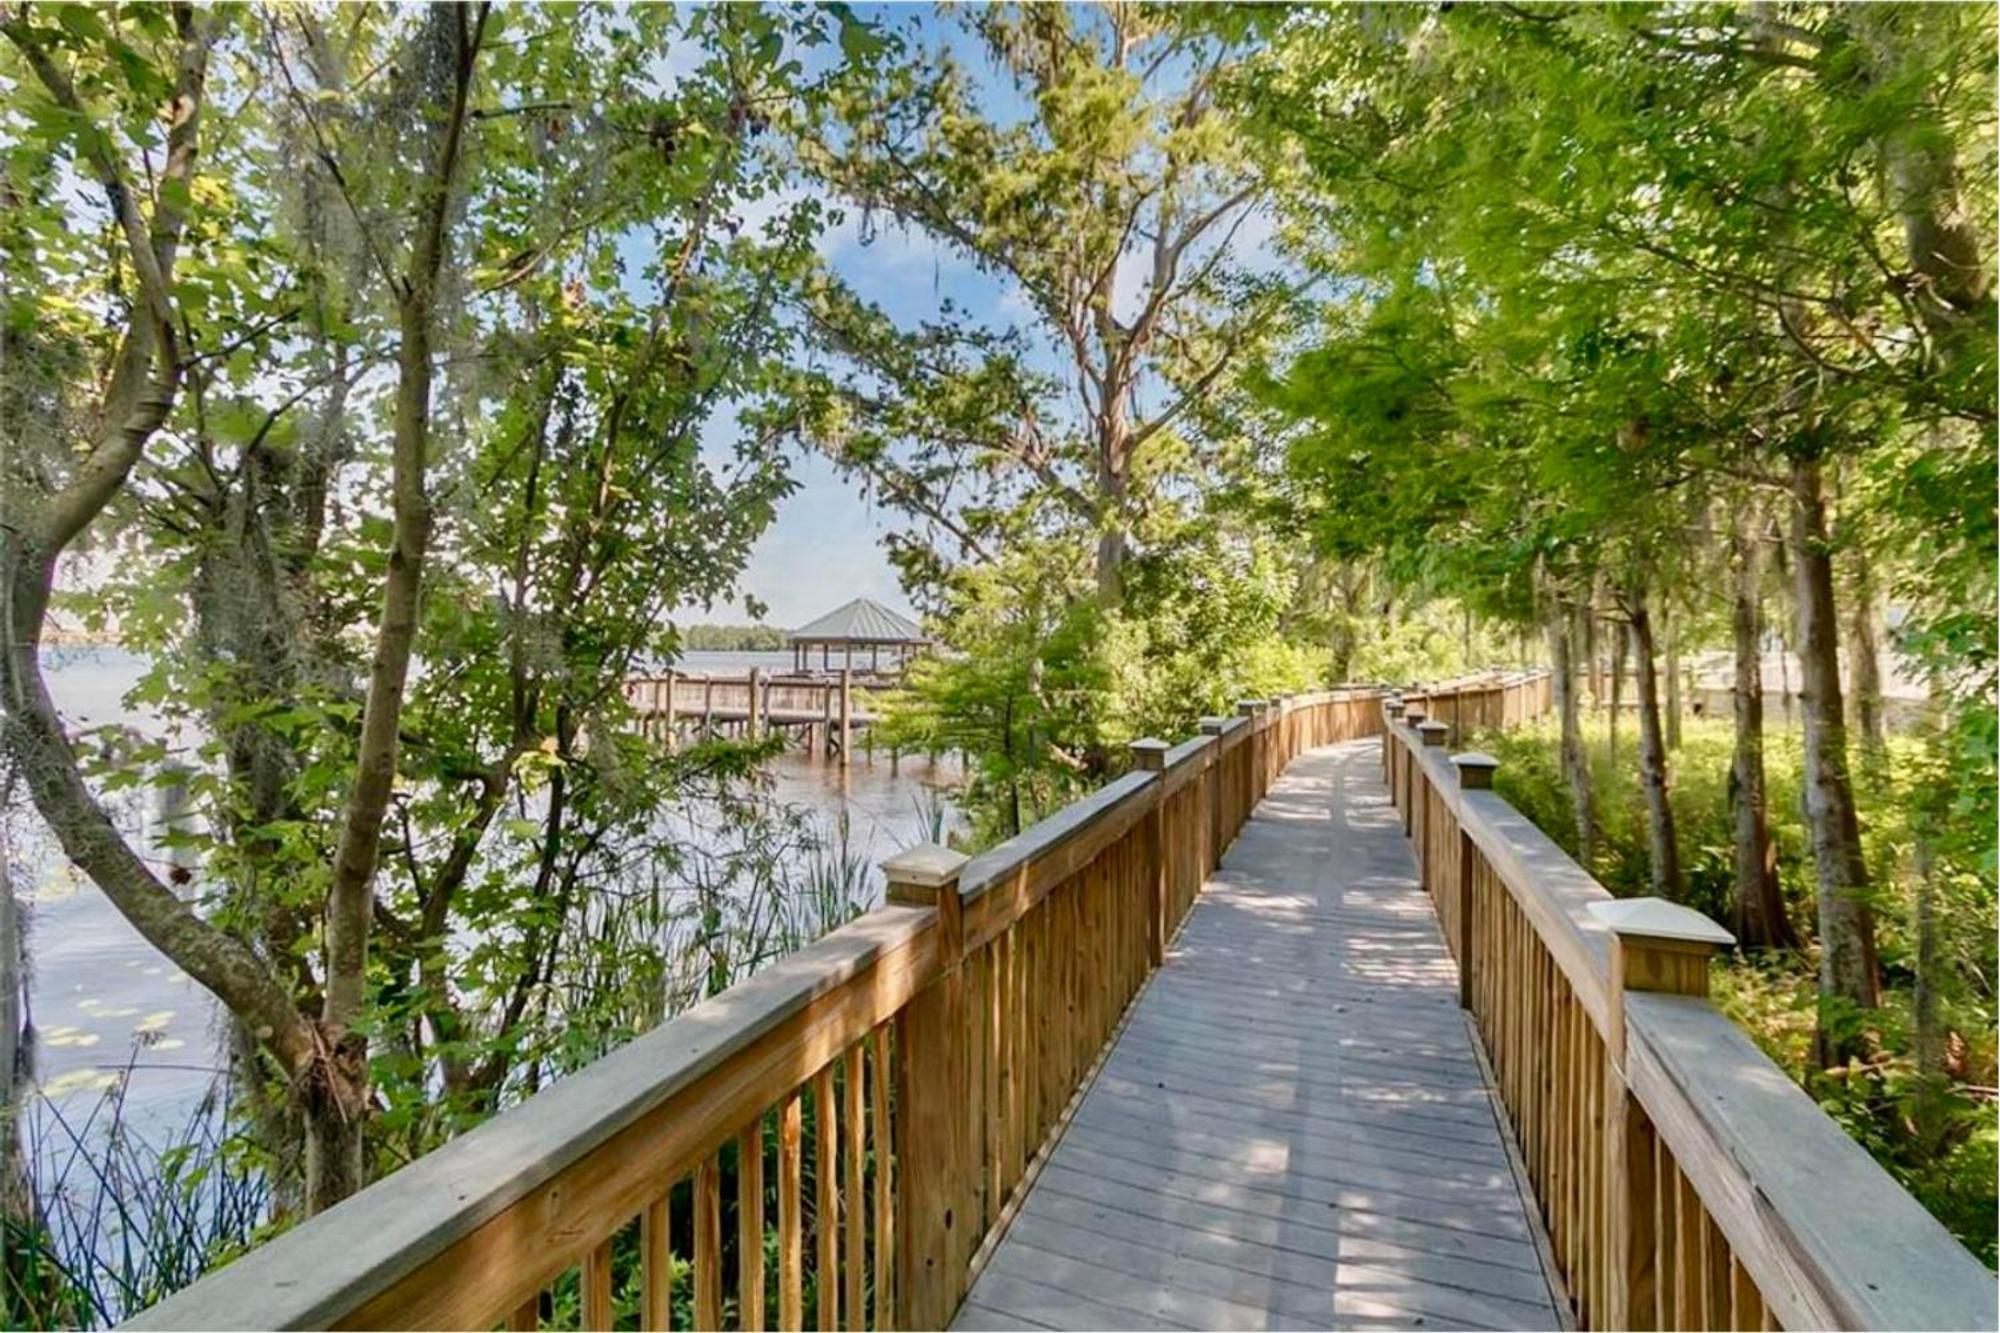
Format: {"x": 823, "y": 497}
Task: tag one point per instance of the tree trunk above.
{"x": 1670, "y": 631}
{"x": 1664, "y": 854}
{"x": 336, "y": 1098}
{"x": 1757, "y": 908}
{"x": 1847, "y": 966}
{"x": 1864, "y": 664}
{"x": 1591, "y": 664}
{"x": 1575, "y": 766}
{"x": 1617, "y": 693}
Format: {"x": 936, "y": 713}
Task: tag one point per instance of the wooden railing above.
{"x": 1685, "y": 1181}
{"x": 874, "y": 1103}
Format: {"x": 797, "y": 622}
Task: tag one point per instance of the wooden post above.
{"x": 1212, "y": 726}
{"x": 1413, "y": 717}
{"x": 1150, "y": 756}
{"x": 1394, "y": 708}
{"x": 1433, "y": 731}
{"x": 708, "y": 707}
{"x": 1656, "y": 946}
{"x": 672, "y": 733}
{"x": 1475, "y": 773}
{"x": 935, "y": 1174}
{"x": 846, "y": 711}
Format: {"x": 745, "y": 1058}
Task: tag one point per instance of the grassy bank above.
{"x": 1935, "y": 1134}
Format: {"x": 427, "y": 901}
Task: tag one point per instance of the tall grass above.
{"x": 102, "y": 1220}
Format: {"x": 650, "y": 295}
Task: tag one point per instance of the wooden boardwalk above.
{"x": 1293, "y": 1130}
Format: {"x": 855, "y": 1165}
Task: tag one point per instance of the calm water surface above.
{"x": 102, "y": 999}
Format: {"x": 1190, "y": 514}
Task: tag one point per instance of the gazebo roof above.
{"x": 861, "y": 621}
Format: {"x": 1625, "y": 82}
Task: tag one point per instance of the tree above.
{"x": 419, "y": 396}
{"x": 1111, "y": 209}
{"x": 1792, "y": 301}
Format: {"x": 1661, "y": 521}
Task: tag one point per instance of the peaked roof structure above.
{"x": 861, "y": 621}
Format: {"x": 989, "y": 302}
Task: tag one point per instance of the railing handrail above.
{"x": 1831, "y": 1239}
{"x": 320, "y": 1271}
{"x": 359, "y": 1263}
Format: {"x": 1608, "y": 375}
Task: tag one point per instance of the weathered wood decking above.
{"x": 1293, "y": 1129}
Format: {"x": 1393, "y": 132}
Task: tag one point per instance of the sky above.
{"x": 825, "y": 546}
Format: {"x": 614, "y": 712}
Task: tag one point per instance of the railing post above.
{"x": 1150, "y": 756}
{"x": 1656, "y": 946}
{"x": 1475, "y": 773}
{"x": 1393, "y": 706}
{"x": 1413, "y": 717}
{"x": 935, "y": 1174}
{"x": 1253, "y": 765}
{"x": 756, "y": 679}
{"x": 1212, "y": 726}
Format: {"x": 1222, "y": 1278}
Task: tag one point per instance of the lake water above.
{"x": 102, "y": 999}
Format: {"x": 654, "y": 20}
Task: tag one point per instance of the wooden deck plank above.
{"x": 1286, "y": 1221}
{"x": 1293, "y": 1130}
{"x": 1194, "y": 1234}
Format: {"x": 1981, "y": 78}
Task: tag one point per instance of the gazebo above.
{"x": 859, "y": 624}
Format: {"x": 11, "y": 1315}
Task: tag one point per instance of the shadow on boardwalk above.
{"x": 1292, "y": 1131}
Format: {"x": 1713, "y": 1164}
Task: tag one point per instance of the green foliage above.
{"x": 1934, "y": 1132}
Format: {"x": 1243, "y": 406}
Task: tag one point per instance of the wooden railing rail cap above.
{"x": 1003, "y": 860}
{"x": 327, "y": 1266}
{"x": 1829, "y": 1236}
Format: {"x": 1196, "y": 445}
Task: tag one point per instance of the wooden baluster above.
{"x": 932, "y": 1166}
{"x": 656, "y": 1266}
{"x": 885, "y": 1193}
{"x": 1657, "y": 946}
{"x": 708, "y": 1245}
{"x": 750, "y": 1226}
{"x": 855, "y": 1122}
{"x": 597, "y": 1286}
{"x": 826, "y": 1197}
{"x": 791, "y": 1260}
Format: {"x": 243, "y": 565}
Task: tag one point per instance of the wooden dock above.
{"x": 822, "y": 710}
{"x": 1293, "y": 1129}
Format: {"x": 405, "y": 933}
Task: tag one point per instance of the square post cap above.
{"x": 924, "y": 873}
{"x": 1395, "y": 706}
{"x": 1413, "y": 713}
{"x": 1149, "y": 755}
{"x": 1433, "y": 731}
{"x": 1249, "y": 707}
{"x": 1475, "y": 770}
{"x": 1212, "y": 726}
{"x": 1656, "y": 919}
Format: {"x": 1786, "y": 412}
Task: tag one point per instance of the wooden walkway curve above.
{"x": 1293, "y": 1129}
